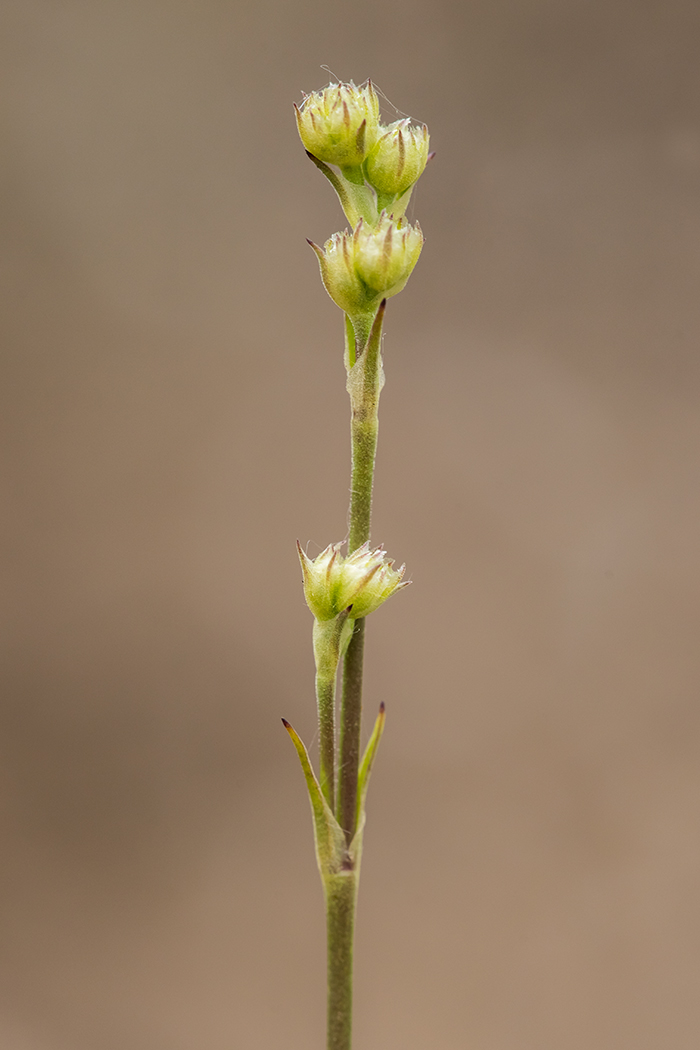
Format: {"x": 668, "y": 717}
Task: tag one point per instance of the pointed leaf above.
{"x": 363, "y": 783}
{"x": 331, "y": 851}
{"x": 368, "y": 758}
{"x": 346, "y": 202}
{"x": 366, "y": 377}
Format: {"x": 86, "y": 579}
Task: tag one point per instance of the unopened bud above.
{"x": 361, "y": 582}
{"x": 369, "y": 264}
{"x": 386, "y": 255}
{"x": 398, "y": 158}
{"x": 338, "y": 125}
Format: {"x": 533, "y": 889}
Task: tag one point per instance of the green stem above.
{"x": 326, "y": 638}
{"x": 365, "y": 380}
{"x": 350, "y": 727}
{"x": 325, "y": 700}
{"x": 341, "y": 891}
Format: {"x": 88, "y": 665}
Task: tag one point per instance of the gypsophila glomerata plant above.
{"x": 373, "y": 169}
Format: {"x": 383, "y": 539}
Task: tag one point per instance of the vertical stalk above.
{"x": 365, "y": 380}
{"x": 326, "y": 637}
{"x": 356, "y": 268}
{"x": 341, "y": 892}
{"x": 350, "y": 727}
{"x": 325, "y": 701}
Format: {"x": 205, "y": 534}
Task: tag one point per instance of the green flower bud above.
{"x": 398, "y": 159}
{"x": 361, "y": 268}
{"x": 360, "y": 582}
{"x": 338, "y": 125}
{"x": 386, "y": 255}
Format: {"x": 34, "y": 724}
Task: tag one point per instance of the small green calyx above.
{"x": 339, "y": 124}
{"x": 360, "y": 582}
{"x": 398, "y": 158}
{"x": 386, "y": 255}
{"x": 361, "y": 268}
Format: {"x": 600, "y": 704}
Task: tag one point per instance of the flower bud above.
{"x": 361, "y": 581}
{"x": 361, "y": 268}
{"x": 385, "y": 256}
{"x": 398, "y": 158}
{"x": 338, "y": 125}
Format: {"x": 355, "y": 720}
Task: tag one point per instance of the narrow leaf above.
{"x": 368, "y": 760}
{"x": 346, "y": 202}
{"x": 331, "y": 852}
{"x": 366, "y": 377}
{"x": 355, "y": 848}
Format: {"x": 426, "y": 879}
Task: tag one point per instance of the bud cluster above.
{"x": 378, "y": 167}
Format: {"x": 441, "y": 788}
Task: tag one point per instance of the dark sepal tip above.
{"x": 431, "y": 155}
{"x": 382, "y": 708}
{"x": 286, "y": 724}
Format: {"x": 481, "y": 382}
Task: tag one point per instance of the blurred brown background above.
{"x": 175, "y": 416}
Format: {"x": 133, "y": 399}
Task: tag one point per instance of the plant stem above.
{"x": 325, "y": 700}
{"x": 365, "y": 381}
{"x": 350, "y": 726}
{"x": 326, "y": 637}
{"x": 340, "y": 891}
